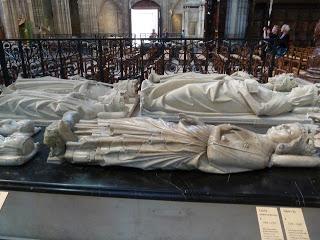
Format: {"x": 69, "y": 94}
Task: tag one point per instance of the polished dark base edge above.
{"x": 153, "y": 195}
{"x": 279, "y": 186}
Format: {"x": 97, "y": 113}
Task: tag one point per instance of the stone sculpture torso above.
{"x": 50, "y": 99}
{"x": 155, "y": 144}
{"x": 224, "y": 95}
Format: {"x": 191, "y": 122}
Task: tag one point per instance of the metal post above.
{"x": 270, "y": 73}
{"x": 185, "y": 56}
{"x": 79, "y": 44}
{"x": 207, "y": 45}
{"x": 142, "y": 63}
{"x": 100, "y": 62}
{"x": 121, "y": 59}
{"x": 41, "y": 57}
{"x": 62, "y": 71}
{"x": 250, "y": 59}
{"x": 228, "y": 63}
{"x": 3, "y": 63}
{"x": 162, "y": 56}
{"x": 23, "y": 64}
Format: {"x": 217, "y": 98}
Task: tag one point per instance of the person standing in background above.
{"x": 182, "y": 34}
{"x": 271, "y": 37}
{"x": 153, "y": 34}
{"x": 284, "y": 39}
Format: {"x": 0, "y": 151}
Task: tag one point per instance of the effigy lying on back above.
{"x": 46, "y": 99}
{"x": 147, "y": 143}
{"x": 238, "y": 98}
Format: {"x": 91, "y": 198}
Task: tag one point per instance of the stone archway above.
{"x": 145, "y": 4}
{"x": 110, "y": 18}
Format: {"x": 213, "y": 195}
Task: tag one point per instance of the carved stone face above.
{"x": 284, "y": 133}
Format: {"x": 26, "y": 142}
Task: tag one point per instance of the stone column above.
{"x": 7, "y": 20}
{"x": 61, "y": 13}
{"x": 185, "y": 22}
{"x": 30, "y": 11}
{"x": 38, "y": 12}
{"x": 200, "y": 25}
{"x": 237, "y": 18}
{"x": 88, "y": 15}
{"x": 11, "y": 11}
{"x": 313, "y": 71}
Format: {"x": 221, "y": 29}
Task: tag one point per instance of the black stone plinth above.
{"x": 279, "y": 186}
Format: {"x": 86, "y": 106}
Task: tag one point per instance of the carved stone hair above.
{"x": 303, "y": 145}
{"x": 283, "y": 83}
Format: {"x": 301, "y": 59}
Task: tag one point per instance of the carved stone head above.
{"x": 284, "y": 133}
{"x": 294, "y": 139}
{"x": 283, "y": 83}
{"x": 56, "y": 136}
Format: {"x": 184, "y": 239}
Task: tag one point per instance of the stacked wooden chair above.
{"x": 295, "y": 61}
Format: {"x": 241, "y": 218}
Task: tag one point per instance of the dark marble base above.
{"x": 278, "y": 186}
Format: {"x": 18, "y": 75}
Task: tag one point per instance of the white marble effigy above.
{"x": 148, "y": 144}
{"x": 239, "y": 98}
{"x": 46, "y": 99}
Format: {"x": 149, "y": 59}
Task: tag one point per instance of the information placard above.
{"x": 3, "y": 196}
{"x": 269, "y": 223}
{"x": 294, "y": 224}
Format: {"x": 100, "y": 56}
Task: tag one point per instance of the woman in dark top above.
{"x": 274, "y": 36}
{"x": 283, "y": 41}
{"x": 271, "y": 38}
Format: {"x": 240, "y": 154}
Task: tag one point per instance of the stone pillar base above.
{"x": 313, "y": 71}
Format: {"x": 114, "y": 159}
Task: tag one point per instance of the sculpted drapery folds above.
{"x": 49, "y": 98}
{"x": 222, "y": 94}
{"x": 190, "y": 144}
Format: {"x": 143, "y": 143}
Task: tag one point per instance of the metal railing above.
{"x": 113, "y": 59}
